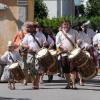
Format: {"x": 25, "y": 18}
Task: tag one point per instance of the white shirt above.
{"x": 62, "y": 40}
{"x": 6, "y": 57}
{"x": 90, "y": 32}
{"x": 30, "y": 41}
{"x": 85, "y": 37}
{"x": 40, "y": 35}
{"x": 50, "y": 41}
{"x": 96, "y": 39}
{"x": 28, "y": 38}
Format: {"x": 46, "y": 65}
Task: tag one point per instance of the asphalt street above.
{"x": 52, "y": 91}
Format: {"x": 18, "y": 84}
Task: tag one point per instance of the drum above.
{"x": 83, "y": 61}
{"x": 54, "y": 68}
{"x": 88, "y": 69}
{"x": 16, "y": 71}
{"x": 77, "y": 57}
{"x": 45, "y": 59}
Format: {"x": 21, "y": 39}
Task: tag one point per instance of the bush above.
{"x": 54, "y": 23}
{"x": 95, "y": 22}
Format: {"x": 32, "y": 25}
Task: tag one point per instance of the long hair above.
{"x": 30, "y": 27}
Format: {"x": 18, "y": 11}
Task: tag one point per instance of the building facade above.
{"x": 58, "y": 8}
{"x": 13, "y": 13}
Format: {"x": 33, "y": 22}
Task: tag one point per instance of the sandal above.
{"x": 81, "y": 84}
{"x": 10, "y": 87}
{"x": 13, "y": 88}
{"x": 35, "y": 88}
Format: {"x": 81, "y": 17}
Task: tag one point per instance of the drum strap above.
{"x": 37, "y": 41}
{"x": 52, "y": 37}
{"x": 10, "y": 57}
{"x": 68, "y": 39}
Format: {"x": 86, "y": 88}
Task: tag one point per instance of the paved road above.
{"x": 52, "y": 91}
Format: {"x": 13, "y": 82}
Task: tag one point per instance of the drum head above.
{"x": 74, "y": 53}
{"x": 88, "y": 54}
{"x": 53, "y": 52}
{"x": 14, "y": 65}
{"x": 42, "y": 53}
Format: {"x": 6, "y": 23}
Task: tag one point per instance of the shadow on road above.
{"x": 93, "y": 81}
{"x": 55, "y": 81}
{"x": 88, "y": 89}
{"x": 3, "y": 98}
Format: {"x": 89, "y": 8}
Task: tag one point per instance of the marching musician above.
{"x": 66, "y": 40}
{"x": 96, "y": 44}
{"x": 85, "y": 42}
{"x": 88, "y": 42}
{"x": 34, "y": 41}
{"x": 50, "y": 38}
{"x": 23, "y": 50}
{"x": 9, "y": 57}
{"x": 87, "y": 30}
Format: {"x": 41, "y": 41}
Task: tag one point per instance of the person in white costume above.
{"x": 66, "y": 45}
{"x": 33, "y": 41}
{"x": 96, "y": 44}
{"x": 9, "y": 57}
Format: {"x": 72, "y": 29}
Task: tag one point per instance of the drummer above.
{"x": 96, "y": 44}
{"x": 33, "y": 41}
{"x": 9, "y": 57}
{"x": 85, "y": 42}
{"x": 66, "y": 44}
{"x": 50, "y": 38}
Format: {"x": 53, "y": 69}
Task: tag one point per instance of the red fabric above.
{"x": 18, "y": 37}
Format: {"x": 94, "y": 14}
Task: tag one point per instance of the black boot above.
{"x": 50, "y": 78}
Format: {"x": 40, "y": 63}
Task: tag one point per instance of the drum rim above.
{"x": 91, "y": 76}
{"x": 84, "y": 63}
{"x": 38, "y": 56}
{"x": 54, "y": 61}
{"x": 54, "y": 51}
{"x": 74, "y": 55}
{"x": 13, "y": 64}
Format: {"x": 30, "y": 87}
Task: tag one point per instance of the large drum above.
{"x": 82, "y": 60}
{"x": 16, "y": 71}
{"x": 45, "y": 59}
{"x": 54, "y": 68}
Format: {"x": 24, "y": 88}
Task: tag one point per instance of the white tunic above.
{"x": 96, "y": 39}
{"x": 62, "y": 40}
{"x": 90, "y": 32}
{"x": 85, "y": 37}
{"x": 8, "y": 56}
{"x": 50, "y": 41}
{"x": 30, "y": 41}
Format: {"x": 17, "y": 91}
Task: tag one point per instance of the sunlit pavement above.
{"x": 52, "y": 91}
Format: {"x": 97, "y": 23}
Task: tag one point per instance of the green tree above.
{"x": 41, "y": 10}
{"x": 93, "y": 8}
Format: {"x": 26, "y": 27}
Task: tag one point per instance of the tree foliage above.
{"x": 41, "y": 10}
{"x": 79, "y": 10}
{"x": 93, "y": 8}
